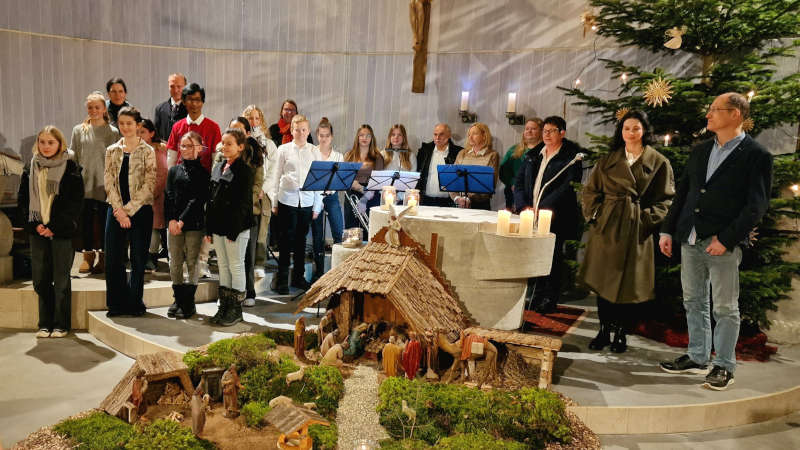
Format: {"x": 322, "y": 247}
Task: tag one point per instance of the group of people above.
{"x": 181, "y": 184}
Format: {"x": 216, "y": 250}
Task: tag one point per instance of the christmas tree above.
{"x": 737, "y": 44}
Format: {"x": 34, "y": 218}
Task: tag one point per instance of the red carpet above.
{"x": 555, "y": 324}
{"x": 748, "y": 348}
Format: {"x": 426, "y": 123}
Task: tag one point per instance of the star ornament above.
{"x": 748, "y": 125}
{"x": 658, "y": 92}
{"x": 621, "y": 113}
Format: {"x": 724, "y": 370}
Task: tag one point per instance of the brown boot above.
{"x": 100, "y": 267}
{"x": 88, "y": 262}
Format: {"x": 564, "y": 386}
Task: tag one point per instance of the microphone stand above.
{"x": 578, "y": 157}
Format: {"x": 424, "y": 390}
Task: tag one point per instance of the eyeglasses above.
{"x": 714, "y": 110}
{"x": 547, "y": 131}
{"x": 192, "y": 100}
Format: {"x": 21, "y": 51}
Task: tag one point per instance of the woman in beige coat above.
{"x": 625, "y": 200}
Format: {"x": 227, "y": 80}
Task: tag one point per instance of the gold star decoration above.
{"x": 589, "y": 21}
{"x": 748, "y": 124}
{"x": 658, "y": 92}
{"x": 621, "y": 113}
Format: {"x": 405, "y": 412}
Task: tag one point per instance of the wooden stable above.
{"x": 293, "y": 422}
{"x": 156, "y": 367}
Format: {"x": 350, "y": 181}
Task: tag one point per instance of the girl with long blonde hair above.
{"x": 366, "y": 152}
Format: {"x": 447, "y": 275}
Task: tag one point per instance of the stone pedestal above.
{"x": 488, "y": 272}
{"x": 339, "y": 253}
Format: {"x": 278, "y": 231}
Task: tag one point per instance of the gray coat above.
{"x": 625, "y": 206}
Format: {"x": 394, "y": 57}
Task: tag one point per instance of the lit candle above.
{"x": 795, "y": 189}
{"x": 464, "y": 101}
{"x": 526, "y": 223}
{"x": 512, "y": 102}
{"x": 503, "y": 222}
{"x": 412, "y": 200}
{"x": 545, "y": 217}
{"x": 388, "y": 200}
{"x": 666, "y": 140}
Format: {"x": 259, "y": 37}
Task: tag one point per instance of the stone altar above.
{"x": 488, "y": 272}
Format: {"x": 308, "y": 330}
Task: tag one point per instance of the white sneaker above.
{"x": 58, "y": 333}
{"x": 249, "y": 302}
{"x": 43, "y": 333}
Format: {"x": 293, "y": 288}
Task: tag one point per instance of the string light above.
{"x": 594, "y": 27}
{"x": 666, "y": 140}
{"x": 750, "y": 95}
{"x": 795, "y": 189}
{"x": 577, "y": 82}
{"x": 624, "y": 77}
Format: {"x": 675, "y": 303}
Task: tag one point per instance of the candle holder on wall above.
{"x": 463, "y": 109}
{"x": 511, "y": 110}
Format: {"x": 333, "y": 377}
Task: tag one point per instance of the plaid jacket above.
{"x": 141, "y": 176}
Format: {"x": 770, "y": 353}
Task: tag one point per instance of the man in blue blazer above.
{"x": 722, "y": 195}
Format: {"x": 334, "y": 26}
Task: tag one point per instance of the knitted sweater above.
{"x": 89, "y": 146}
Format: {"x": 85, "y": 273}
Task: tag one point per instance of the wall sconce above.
{"x": 511, "y": 110}
{"x": 463, "y": 109}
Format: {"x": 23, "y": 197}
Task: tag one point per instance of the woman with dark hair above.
{"x": 229, "y": 217}
{"x": 281, "y": 132}
{"x": 365, "y": 151}
{"x": 158, "y": 237}
{"x": 90, "y": 139}
{"x": 117, "y": 98}
{"x": 50, "y": 193}
{"x": 254, "y": 157}
{"x": 625, "y": 200}
{"x": 130, "y": 179}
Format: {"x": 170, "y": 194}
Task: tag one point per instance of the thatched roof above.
{"x": 156, "y": 366}
{"x": 290, "y": 418}
{"x": 513, "y": 337}
{"x": 419, "y": 293}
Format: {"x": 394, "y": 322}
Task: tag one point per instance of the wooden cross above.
{"x": 420, "y": 15}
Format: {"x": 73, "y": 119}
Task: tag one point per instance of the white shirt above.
{"x": 290, "y": 170}
{"x": 538, "y": 185}
{"x": 172, "y": 102}
{"x": 432, "y": 186}
{"x": 631, "y": 158}
{"x": 395, "y": 164}
{"x": 199, "y": 120}
{"x": 334, "y": 156}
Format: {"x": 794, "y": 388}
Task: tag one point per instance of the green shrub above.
{"x": 98, "y": 430}
{"x": 531, "y": 416}
{"x": 254, "y": 413}
{"x": 324, "y": 437}
{"x": 166, "y": 434}
{"x": 245, "y": 351}
{"x": 286, "y": 337}
{"x": 102, "y": 431}
{"x": 404, "y": 444}
{"x": 267, "y": 381}
{"x": 477, "y": 441}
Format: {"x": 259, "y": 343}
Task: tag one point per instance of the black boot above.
{"x": 603, "y": 337}
{"x": 176, "y": 295}
{"x": 547, "y": 305}
{"x": 223, "y": 305}
{"x": 620, "y": 343}
{"x": 282, "y": 285}
{"x": 187, "y": 309}
{"x": 233, "y": 314}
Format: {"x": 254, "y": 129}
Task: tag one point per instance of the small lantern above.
{"x": 352, "y": 238}
{"x": 412, "y": 201}
{"x": 388, "y": 197}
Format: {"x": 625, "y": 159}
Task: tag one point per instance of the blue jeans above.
{"x": 698, "y": 271}
{"x": 124, "y": 296}
{"x": 332, "y": 207}
{"x": 230, "y": 259}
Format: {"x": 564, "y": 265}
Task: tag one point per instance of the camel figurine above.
{"x": 455, "y": 350}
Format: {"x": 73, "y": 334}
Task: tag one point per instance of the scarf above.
{"x": 54, "y": 169}
{"x": 286, "y": 131}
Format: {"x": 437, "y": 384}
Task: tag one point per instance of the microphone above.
{"x": 578, "y": 157}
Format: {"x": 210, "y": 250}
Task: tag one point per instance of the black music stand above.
{"x": 330, "y": 176}
{"x": 466, "y": 179}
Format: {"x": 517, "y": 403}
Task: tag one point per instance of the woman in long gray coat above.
{"x": 625, "y": 200}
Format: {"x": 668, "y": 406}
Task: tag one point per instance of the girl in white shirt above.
{"x": 330, "y": 201}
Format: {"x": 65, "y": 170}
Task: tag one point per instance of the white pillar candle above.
{"x": 512, "y": 102}
{"x": 464, "y": 101}
{"x": 526, "y": 223}
{"x": 503, "y": 222}
{"x": 545, "y": 217}
{"x": 666, "y": 140}
{"x": 388, "y": 200}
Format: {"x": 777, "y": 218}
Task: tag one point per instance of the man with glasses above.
{"x": 545, "y": 180}
{"x": 193, "y": 96}
{"x": 722, "y": 195}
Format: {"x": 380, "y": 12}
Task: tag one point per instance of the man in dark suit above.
{"x": 544, "y": 181}
{"x": 723, "y": 193}
{"x": 173, "y": 109}
{"x": 441, "y": 150}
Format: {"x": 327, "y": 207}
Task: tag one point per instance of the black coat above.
{"x": 730, "y": 203}
{"x": 559, "y": 196}
{"x": 164, "y": 118}
{"x": 230, "y": 209}
{"x": 186, "y": 194}
{"x": 424, "y": 161}
{"x": 66, "y": 207}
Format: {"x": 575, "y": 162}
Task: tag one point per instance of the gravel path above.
{"x": 356, "y": 417}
